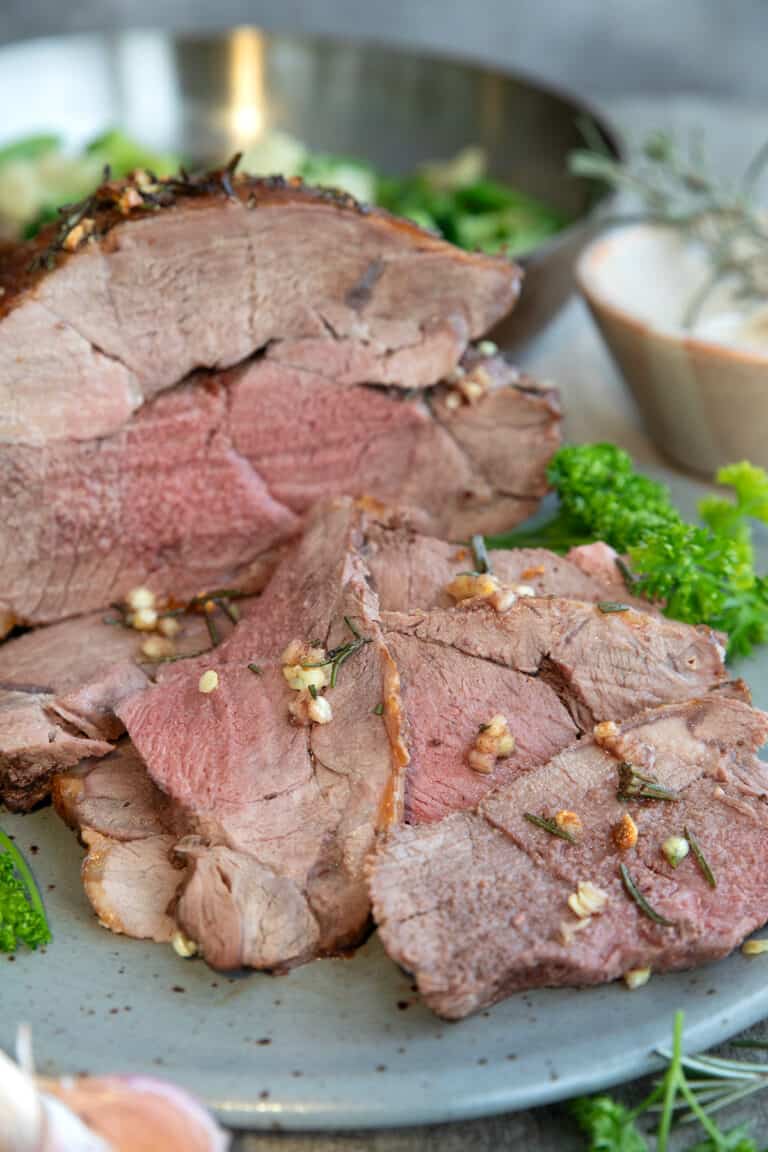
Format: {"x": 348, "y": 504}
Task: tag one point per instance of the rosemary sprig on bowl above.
{"x": 672, "y": 186}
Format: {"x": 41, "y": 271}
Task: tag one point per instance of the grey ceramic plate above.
{"x": 339, "y": 1043}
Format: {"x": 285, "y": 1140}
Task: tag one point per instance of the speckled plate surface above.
{"x": 338, "y": 1043}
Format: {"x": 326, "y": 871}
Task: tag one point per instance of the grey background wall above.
{"x": 596, "y": 46}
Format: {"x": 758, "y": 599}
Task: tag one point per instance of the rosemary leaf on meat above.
{"x": 550, "y": 826}
{"x": 255, "y": 668}
{"x": 608, "y": 606}
{"x": 482, "y": 559}
{"x": 379, "y": 710}
{"x": 229, "y": 610}
{"x": 634, "y": 892}
{"x": 700, "y": 858}
{"x": 213, "y": 631}
{"x": 633, "y": 785}
{"x": 337, "y": 657}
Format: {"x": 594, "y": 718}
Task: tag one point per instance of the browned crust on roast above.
{"x": 22, "y": 266}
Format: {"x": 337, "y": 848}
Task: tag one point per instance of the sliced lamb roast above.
{"x": 200, "y": 486}
{"x": 280, "y": 817}
{"x": 486, "y": 903}
{"x": 59, "y": 687}
{"x": 337, "y": 318}
{"x": 160, "y": 282}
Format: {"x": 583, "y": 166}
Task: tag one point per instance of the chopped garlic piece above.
{"x": 168, "y": 626}
{"x": 130, "y": 198}
{"x": 487, "y": 348}
{"x": 208, "y": 682}
{"x": 475, "y": 384}
{"x": 569, "y": 821}
{"x": 587, "y": 900}
{"x": 468, "y": 585}
{"x": 625, "y": 833}
{"x": 503, "y": 599}
{"x": 139, "y": 598}
{"x": 299, "y": 676}
{"x": 453, "y": 401}
{"x": 636, "y": 978}
{"x": 754, "y": 947}
{"x": 608, "y": 730}
{"x": 183, "y": 946}
{"x": 483, "y": 586}
{"x": 76, "y": 235}
{"x": 319, "y": 710}
{"x": 569, "y": 928}
{"x": 145, "y": 620}
{"x": 158, "y": 648}
{"x": 524, "y": 590}
{"x": 675, "y": 848}
{"x": 494, "y": 741}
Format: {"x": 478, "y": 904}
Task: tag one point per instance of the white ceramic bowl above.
{"x": 704, "y": 396}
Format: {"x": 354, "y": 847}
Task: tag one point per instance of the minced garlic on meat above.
{"x": 754, "y": 947}
{"x": 158, "y": 648}
{"x": 636, "y": 978}
{"x": 587, "y": 900}
{"x": 208, "y": 682}
{"x": 494, "y": 742}
{"x": 625, "y": 833}
{"x": 569, "y": 928}
{"x": 569, "y": 822}
{"x": 483, "y": 586}
{"x": 183, "y": 946}
{"x": 306, "y": 672}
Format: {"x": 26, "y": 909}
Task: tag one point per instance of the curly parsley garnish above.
{"x": 702, "y": 573}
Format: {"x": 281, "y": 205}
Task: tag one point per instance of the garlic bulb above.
{"x": 100, "y": 1114}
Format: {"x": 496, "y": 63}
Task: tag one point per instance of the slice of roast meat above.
{"x": 155, "y": 284}
{"x": 59, "y": 689}
{"x": 554, "y": 667}
{"x": 477, "y": 906}
{"x": 200, "y": 486}
{"x": 281, "y": 817}
{"x": 411, "y": 570}
{"x": 131, "y": 874}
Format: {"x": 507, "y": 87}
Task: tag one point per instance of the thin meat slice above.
{"x": 279, "y": 816}
{"x": 160, "y": 282}
{"x": 59, "y": 691}
{"x": 476, "y": 906}
{"x": 202, "y": 485}
{"x": 132, "y": 884}
{"x": 604, "y": 664}
{"x": 411, "y": 570}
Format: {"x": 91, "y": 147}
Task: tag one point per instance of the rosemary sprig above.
{"x": 337, "y": 657}
{"x": 673, "y": 187}
{"x": 379, "y": 710}
{"x": 633, "y": 785}
{"x": 607, "y": 606}
{"x": 700, "y": 858}
{"x": 255, "y": 668}
{"x": 480, "y": 552}
{"x": 550, "y": 826}
{"x": 634, "y": 892}
{"x": 213, "y": 631}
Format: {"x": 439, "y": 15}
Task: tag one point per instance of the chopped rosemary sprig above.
{"x": 700, "y": 858}
{"x": 634, "y": 892}
{"x": 379, "y": 710}
{"x": 608, "y": 606}
{"x": 213, "y": 631}
{"x": 550, "y": 826}
{"x": 231, "y": 611}
{"x": 633, "y": 785}
{"x": 255, "y": 668}
{"x": 482, "y": 559}
{"x": 337, "y": 657}
{"x": 313, "y": 691}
